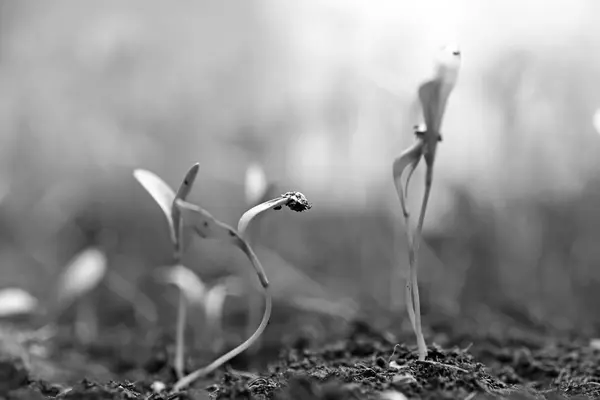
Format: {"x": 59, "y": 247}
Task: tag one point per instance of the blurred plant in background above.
{"x": 91, "y": 91}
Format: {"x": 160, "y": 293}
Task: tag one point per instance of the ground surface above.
{"x": 364, "y": 364}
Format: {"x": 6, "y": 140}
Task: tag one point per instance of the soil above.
{"x": 467, "y": 362}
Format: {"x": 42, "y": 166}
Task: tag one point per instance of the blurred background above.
{"x": 321, "y": 94}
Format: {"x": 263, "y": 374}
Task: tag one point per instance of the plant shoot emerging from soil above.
{"x": 166, "y": 197}
{"x": 191, "y": 290}
{"x": 433, "y": 95}
{"x": 83, "y": 274}
{"x": 208, "y": 227}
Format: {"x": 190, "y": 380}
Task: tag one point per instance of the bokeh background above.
{"x": 322, "y": 94}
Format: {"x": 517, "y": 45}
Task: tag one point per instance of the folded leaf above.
{"x": 409, "y": 158}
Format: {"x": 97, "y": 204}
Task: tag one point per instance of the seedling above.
{"x": 181, "y": 215}
{"x": 433, "y": 95}
{"x": 166, "y": 197}
{"x": 82, "y": 275}
{"x": 196, "y": 292}
{"x": 208, "y": 227}
{"x": 191, "y": 290}
{"x": 16, "y": 301}
{"x": 214, "y": 302}
{"x": 85, "y": 272}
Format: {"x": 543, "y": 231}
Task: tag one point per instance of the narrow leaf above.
{"x": 409, "y": 158}
{"x": 182, "y": 193}
{"x": 161, "y": 193}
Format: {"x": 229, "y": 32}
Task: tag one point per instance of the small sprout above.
{"x": 214, "y": 302}
{"x": 208, "y": 227}
{"x": 433, "y": 95}
{"x": 167, "y": 199}
{"x": 191, "y": 289}
{"x": 83, "y": 274}
{"x": 86, "y": 271}
{"x": 16, "y": 301}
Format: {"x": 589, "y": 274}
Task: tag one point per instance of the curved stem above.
{"x": 188, "y": 379}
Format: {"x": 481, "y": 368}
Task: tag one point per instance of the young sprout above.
{"x": 83, "y": 274}
{"x": 166, "y": 199}
{"x": 208, "y": 227}
{"x": 214, "y": 302}
{"x": 433, "y": 95}
{"x": 16, "y": 301}
{"x": 191, "y": 290}
{"x": 86, "y": 271}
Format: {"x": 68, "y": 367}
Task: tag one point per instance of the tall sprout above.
{"x": 433, "y": 96}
